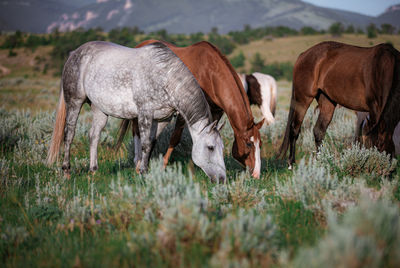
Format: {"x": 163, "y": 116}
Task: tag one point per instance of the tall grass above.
{"x": 177, "y": 217}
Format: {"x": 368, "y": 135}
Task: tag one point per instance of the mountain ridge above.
{"x": 183, "y": 16}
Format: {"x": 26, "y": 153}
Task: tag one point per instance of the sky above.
{"x": 367, "y": 7}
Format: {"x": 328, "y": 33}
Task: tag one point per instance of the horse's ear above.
{"x": 259, "y": 124}
{"x": 212, "y": 125}
{"x": 221, "y": 126}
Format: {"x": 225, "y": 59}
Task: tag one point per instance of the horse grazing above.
{"x": 149, "y": 84}
{"x": 358, "y": 78}
{"x": 261, "y": 90}
{"x": 224, "y": 93}
{"x": 360, "y": 135}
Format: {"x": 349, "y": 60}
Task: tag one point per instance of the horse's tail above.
{"x": 274, "y": 89}
{"x": 58, "y": 131}
{"x": 123, "y": 127}
{"x": 285, "y": 143}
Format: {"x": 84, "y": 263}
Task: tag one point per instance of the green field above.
{"x": 337, "y": 208}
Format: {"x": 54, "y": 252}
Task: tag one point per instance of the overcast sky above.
{"x": 367, "y": 7}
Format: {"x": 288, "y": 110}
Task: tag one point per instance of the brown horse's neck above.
{"x": 218, "y": 80}
{"x": 226, "y": 89}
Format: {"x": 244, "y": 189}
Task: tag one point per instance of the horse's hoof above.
{"x": 138, "y": 167}
{"x": 290, "y": 167}
{"x": 165, "y": 163}
{"x": 67, "y": 175}
{"x": 256, "y": 175}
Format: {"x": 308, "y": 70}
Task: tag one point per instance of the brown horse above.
{"x": 362, "y": 79}
{"x": 224, "y": 93}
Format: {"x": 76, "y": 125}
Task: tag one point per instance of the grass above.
{"x": 289, "y": 48}
{"x": 325, "y": 208}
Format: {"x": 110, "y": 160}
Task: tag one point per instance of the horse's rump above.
{"x": 355, "y": 77}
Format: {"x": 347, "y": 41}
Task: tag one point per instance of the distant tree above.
{"x": 387, "y": 28}
{"x": 14, "y": 40}
{"x": 372, "y": 31}
{"x": 350, "y": 29}
{"x": 240, "y": 37}
{"x": 33, "y": 41}
{"x": 238, "y": 60}
{"x": 64, "y": 43}
{"x": 124, "y": 36}
{"x": 307, "y": 30}
{"x": 257, "y": 63}
{"x": 196, "y": 37}
{"x": 336, "y": 29}
{"x": 359, "y": 31}
{"x": 224, "y": 43}
{"x": 214, "y": 30}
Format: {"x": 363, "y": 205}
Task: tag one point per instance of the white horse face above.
{"x": 207, "y": 153}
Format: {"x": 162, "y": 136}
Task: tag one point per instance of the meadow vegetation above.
{"x": 338, "y": 207}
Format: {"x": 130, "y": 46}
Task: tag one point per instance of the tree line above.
{"x": 64, "y": 42}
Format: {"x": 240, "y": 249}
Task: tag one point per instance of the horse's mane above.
{"x": 235, "y": 76}
{"x": 182, "y": 86}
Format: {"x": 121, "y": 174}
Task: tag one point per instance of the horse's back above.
{"x": 117, "y": 79}
{"x": 346, "y": 74}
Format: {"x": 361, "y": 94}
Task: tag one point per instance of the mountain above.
{"x": 30, "y": 15}
{"x": 390, "y": 16}
{"x": 185, "y": 16}
{"x": 176, "y": 16}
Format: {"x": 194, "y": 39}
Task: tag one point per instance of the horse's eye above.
{"x": 210, "y": 148}
{"x": 249, "y": 144}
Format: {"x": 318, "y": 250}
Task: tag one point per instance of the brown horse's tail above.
{"x": 123, "y": 127}
{"x": 58, "y": 131}
{"x": 285, "y": 143}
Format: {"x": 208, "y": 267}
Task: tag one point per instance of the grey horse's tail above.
{"x": 123, "y": 127}
{"x": 58, "y": 131}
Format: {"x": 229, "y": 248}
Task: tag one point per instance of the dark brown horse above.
{"x": 362, "y": 79}
{"x": 224, "y": 93}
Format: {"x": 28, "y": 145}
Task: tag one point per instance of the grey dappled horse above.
{"x": 149, "y": 84}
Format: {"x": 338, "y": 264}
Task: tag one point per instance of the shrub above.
{"x": 372, "y": 32}
{"x": 358, "y": 161}
{"x": 238, "y": 60}
{"x": 368, "y": 235}
{"x": 257, "y": 63}
{"x": 336, "y": 29}
{"x": 247, "y": 238}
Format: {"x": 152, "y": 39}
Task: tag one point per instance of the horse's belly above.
{"x": 118, "y": 104}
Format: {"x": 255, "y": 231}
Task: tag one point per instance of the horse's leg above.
{"x": 175, "y": 138}
{"x": 361, "y": 117}
{"x": 99, "y": 121}
{"x": 137, "y": 145}
{"x": 146, "y": 126}
{"x": 299, "y": 107}
{"x": 326, "y": 110}
{"x": 73, "y": 107}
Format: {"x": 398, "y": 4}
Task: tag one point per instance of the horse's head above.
{"x": 246, "y": 149}
{"x": 207, "y": 153}
{"x": 381, "y": 137}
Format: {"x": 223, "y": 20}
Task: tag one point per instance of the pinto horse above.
{"x": 261, "y": 90}
{"x": 224, "y": 93}
{"x": 150, "y": 84}
{"x": 358, "y": 78}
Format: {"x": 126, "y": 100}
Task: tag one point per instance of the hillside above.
{"x": 287, "y": 49}
{"x": 391, "y": 16}
{"x": 185, "y": 16}
{"x": 176, "y": 16}
{"x": 30, "y": 15}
